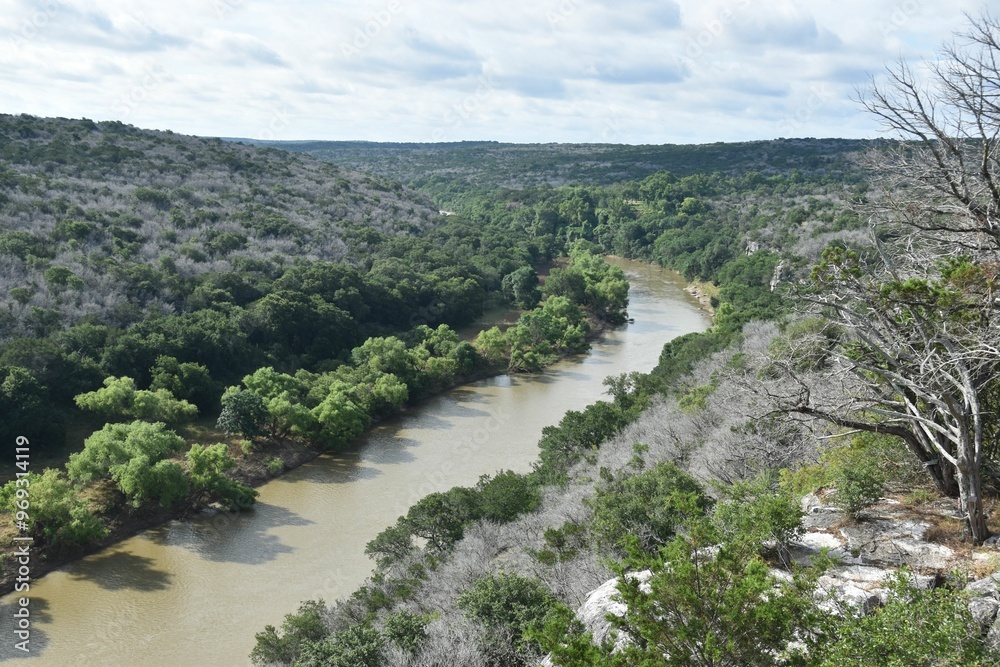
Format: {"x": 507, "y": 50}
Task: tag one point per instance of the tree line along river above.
{"x": 194, "y": 592}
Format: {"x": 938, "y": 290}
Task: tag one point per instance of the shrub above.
{"x": 647, "y": 506}
{"x": 759, "y": 513}
{"x": 859, "y": 486}
{"x": 57, "y": 515}
{"x": 509, "y": 605}
{"x": 405, "y": 630}
{"x": 306, "y": 625}
{"x": 915, "y": 628}
{"x": 275, "y": 466}
{"x": 860, "y": 470}
{"x": 711, "y": 601}
{"x": 506, "y": 496}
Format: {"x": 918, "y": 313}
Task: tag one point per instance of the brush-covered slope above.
{"x": 106, "y": 222}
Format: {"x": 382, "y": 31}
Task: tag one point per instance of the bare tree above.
{"x": 941, "y": 180}
{"x": 920, "y": 310}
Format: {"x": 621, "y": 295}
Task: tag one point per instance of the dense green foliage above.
{"x": 116, "y": 445}
{"x": 510, "y": 606}
{"x": 207, "y": 467}
{"x": 26, "y": 408}
{"x": 297, "y": 630}
{"x": 58, "y": 517}
{"x": 440, "y": 519}
{"x": 120, "y": 400}
{"x": 915, "y": 628}
{"x": 711, "y": 600}
{"x": 644, "y": 510}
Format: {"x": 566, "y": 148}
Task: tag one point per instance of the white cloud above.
{"x": 638, "y": 71}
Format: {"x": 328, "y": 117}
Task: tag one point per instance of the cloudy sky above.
{"x": 623, "y": 71}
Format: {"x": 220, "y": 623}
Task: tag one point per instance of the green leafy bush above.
{"x": 405, "y": 630}
{"x": 58, "y": 516}
{"x": 712, "y": 601}
{"x": 298, "y": 629}
{"x": 509, "y": 605}
{"x": 207, "y": 466}
{"x": 275, "y": 465}
{"x": 117, "y": 444}
{"x": 648, "y": 506}
{"x": 915, "y": 628}
{"x": 506, "y": 496}
{"x": 358, "y": 646}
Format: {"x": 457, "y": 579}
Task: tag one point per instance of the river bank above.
{"x": 703, "y": 292}
{"x": 251, "y": 468}
{"x": 186, "y": 591}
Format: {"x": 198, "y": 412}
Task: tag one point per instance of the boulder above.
{"x": 860, "y": 586}
{"x": 603, "y": 601}
{"x": 984, "y": 603}
{"x": 896, "y": 543}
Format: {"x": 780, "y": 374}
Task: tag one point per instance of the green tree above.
{"x": 465, "y": 358}
{"x": 568, "y": 283}
{"x": 119, "y": 399}
{"x": 557, "y": 326}
{"x": 299, "y": 628}
{"x": 510, "y": 606}
{"x": 59, "y": 278}
{"x": 303, "y": 323}
{"x": 26, "y": 408}
{"x": 521, "y": 288}
{"x": 492, "y": 345}
{"x": 340, "y": 420}
{"x": 384, "y": 396}
{"x": 243, "y": 412}
{"x": 358, "y": 646}
{"x": 284, "y": 398}
{"x": 576, "y": 434}
{"x": 440, "y": 518}
{"x": 187, "y": 381}
{"x": 56, "y": 515}
{"x": 646, "y": 508}
{"x": 207, "y": 467}
{"x": 143, "y": 481}
{"x": 386, "y": 355}
{"x": 391, "y": 545}
{"x": 115, "y": 445}
{"x": 506, "y": 495}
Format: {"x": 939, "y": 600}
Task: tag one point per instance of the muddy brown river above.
{"x": 194, "y": 592}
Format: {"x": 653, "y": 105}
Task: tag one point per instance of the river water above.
{"x": 193, "y": 593}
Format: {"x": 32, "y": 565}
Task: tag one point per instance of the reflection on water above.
{"x": 195, "y": 592}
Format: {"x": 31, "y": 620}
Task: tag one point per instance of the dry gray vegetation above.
{"x": 717, "y": 430}
{"x": 98, "y": 220}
